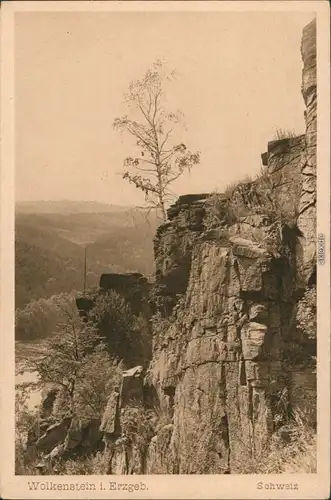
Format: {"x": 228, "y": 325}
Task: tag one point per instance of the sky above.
{"x": 238, "y": 80}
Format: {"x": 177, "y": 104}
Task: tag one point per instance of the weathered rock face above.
{"x": 221, "y": 355}
{"x": 126, "y": 430}
{"x": 284, "y": 161}
{"x": 54, "y": 435}
{"x": 159, "y": 460}
{"x": 307, "y": 216}
{"x": 173, "y": 246}
{"x": 132, "y": 386}
{"x": 227, "y": 282}
{"x": 220, "y": 363}
{"x": 48, "y": 402}
{"x": 110, "y": 422}
{"x": 80, "y": 437}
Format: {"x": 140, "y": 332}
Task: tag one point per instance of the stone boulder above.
{"x": 54, "y": 435}
{"x": 110, "y": 419}
{"x": 91, "y": 435}
{"x": 74, "y": 435}
{"x": 132, "y": 389}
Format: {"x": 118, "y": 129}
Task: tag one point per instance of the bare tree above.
{"x": 161, "y": 160}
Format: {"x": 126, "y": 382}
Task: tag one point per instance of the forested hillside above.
{"x": 46, "y": 243}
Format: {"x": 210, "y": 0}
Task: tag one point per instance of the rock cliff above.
{"x": 226, "y": 292}
{"x": 307, "y": 214}
{"x": 225, "y": 362}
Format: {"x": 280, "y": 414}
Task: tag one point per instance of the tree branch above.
{"x": 165, "y": 140}
{"x": 148, "y": 145}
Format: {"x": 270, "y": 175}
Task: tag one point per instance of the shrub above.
{"x": 161, "y": 302}
{"x": 79, "y": 466}
{"x": 250, "y": 196}
{"x": 228, "y": 191}
{"x": 97, "y": 378}
{"x": 263, "y": 174}
{"x": 100, "y": 462}
{"x": 282, "y": 133}
{"x": 137, "y": 424}
{"x": 127, "y": 335}
{"x": 219, "y": 211}
{"x": 298, "y": 455}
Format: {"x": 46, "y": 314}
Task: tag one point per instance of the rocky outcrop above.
{"x": 126, "y": 296}
{"x": 307, "y": 208}
{"x": 227, "y": 280}
{"x": 224, "y": 370}
{"x": 222, "y": 358}
{"x": 284, "y": 161}
{"x": 173, "y": 248}
{"x": 110, "y": 420}
{"x": 132, "y": 386}
{"x": 53, "y": 436}
{"x": 83, "y": 436}
{"x": 221, "y": 354}
{"x": 133, "y": 287}
{"x": 48, "y": 401}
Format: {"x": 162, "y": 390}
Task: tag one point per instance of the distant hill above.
{"x": 49, "y": 246}
{"x": 67, "y": 207}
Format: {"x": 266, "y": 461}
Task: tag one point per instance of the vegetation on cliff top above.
{"x": 232, "y": 206}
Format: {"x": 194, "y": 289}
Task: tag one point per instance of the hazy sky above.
{"x": 239, "y": 79}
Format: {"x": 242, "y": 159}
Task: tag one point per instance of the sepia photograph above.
{"x": 167, "y": 257}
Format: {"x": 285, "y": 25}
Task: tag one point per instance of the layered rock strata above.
{"x": 307, "y": 209}
{"x": 226, "y": 295}
{"x": 228, "y": 277}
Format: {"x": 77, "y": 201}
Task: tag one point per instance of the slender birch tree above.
{"x": 161, "y": 159}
